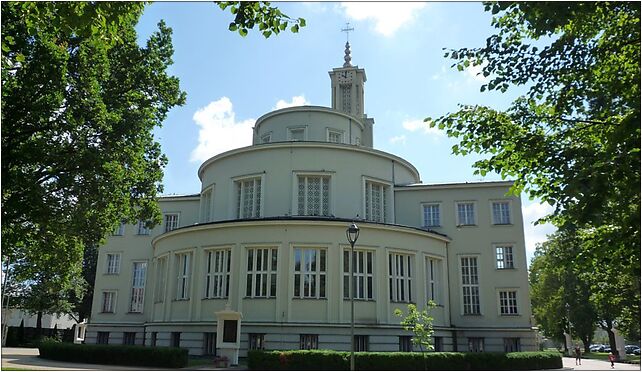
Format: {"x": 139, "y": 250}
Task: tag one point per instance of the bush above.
{"x": 397, "y": 361}
{"x": 165, "y": 357}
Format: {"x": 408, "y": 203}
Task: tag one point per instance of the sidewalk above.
{"x": 597, "y": 365}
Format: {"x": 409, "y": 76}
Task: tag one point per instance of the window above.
{"x": 171, "y": 221}
{"x": 102, "y": 338}
{"x": 206, "y": 205}
{"x": 470, "y": 285}
{"x": 120, "y": 230}
{"x": 261, "y": 272}
{"x": 438, "y": 343}
{"x": 504, "y": 257}
{"x": 508, "y": 302}
{"x": 405, "y": 343}
{"x": 161, "y": 274}
{"x": 476, "y": 344}
{"x": 335, "y": 136}
{"x": 361, "y": 343}
{"x": 142, "y": 229}
{"x": 432, "y": 215}
{"x": 266, "y": 138}
{"x": 217, "y": 278}
{"x": 296, "y": 134}
{"x": 113, "y": 263}
{"x": 138, "y": 287}
{"x": 308, "y": 342}
{"x": 182, "y": 287}
{"x": 175, "y": 339}
{"x": 363, "y": 274}
{"x": 512, "y": 344}
{"x": 465, "y": 214}
{"x": 257, "y": 341}
{"x": 209, "y": 343}
{"x": 154, "y": 338}
{"x": 501, "y": 213}
{"x": 400, "y": 277}
{"x": 357, "y": 141}
{"x": 109, "y": 302}
{"x": 248, "y": 198}
{"x": 376, "y": 201}
{"x": 433, "y": 272}
{"x": 313, "y": 195}
{"x": 309, "y": 273}
{"x": 129, "y": 338}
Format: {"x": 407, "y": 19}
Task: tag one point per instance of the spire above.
{"x": 347, "y": 57}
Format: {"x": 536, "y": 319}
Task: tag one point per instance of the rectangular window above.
{"x": 161, "y": 274}
{"x": 113, "y": 263}
{"x": 256, "y": 341}
{"x": 154, "y": 338}
{"x": 465, "y": 214}
{"x": 261, "y": 272}
{"x": 313, "y": 195}
{"x": 433, "y": 272}
{"x": 438, "y": 343}
{"x": 361, "y": 343}
{"x": 248, "y": 198}
{"x": 109, "y": 302}
{"x": 432, "y": 215}
{"x": 376, "y": 202}
{"x": 405, "y": 343}
{"x": 120, "y": 230}
{"x": 363, "y": 274}
{"x": 209, "y": 343}
{"x": 138, "y": 287}
{"x": 102, "y": 338}
{"x": 142, "y": 229}
{"x": 217, "y": 277}
{"x": 129, "y": 338}
{"x": 175, "y": 339}
{"x": 476, "y": 344}
{"x": 309, "y": 272}
{"x": 508, "y": 302}
{"x": 171, "y": 221}
{"x": 400, "y": 277}
{"x": 296, "y": 134}
{"x": 266, "y": 138}
{"x": 512, "y": 344}
{"x": 206, "y": 205}
{"x": 182, "y": 287}
{"x": 504, "y": 257}
{"x": 308, "y": 342}
{"x": 470, "y": 286}
{"x": 501, "y": 213}
{"x": 335, "y": 136}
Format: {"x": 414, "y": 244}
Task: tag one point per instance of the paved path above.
{"x": 597, "y": 365}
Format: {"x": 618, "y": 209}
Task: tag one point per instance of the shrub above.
{"x": 166, "y": 357}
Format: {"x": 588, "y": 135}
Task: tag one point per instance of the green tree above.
{"x": 420, "y": 324}
{"x": 573, "y": 140}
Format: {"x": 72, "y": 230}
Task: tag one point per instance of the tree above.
{"x": 420, "y": 323}
{"x": 573, "y": 140}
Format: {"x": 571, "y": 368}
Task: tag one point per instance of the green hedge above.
{"x": 338, "y": 360}
{"x": 165, "y": 357}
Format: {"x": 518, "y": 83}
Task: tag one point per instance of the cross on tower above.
{"x": 347, "y": 31}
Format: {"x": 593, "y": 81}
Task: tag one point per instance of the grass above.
{"x": 195, "y": 362}
{"x": 605, "y": 356}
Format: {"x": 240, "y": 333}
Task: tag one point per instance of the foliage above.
{"x": 269, "y": 19}
{"x": 573, "y": 140}
{"x": 420, "y": 323}
{"x": 164, "y": 357}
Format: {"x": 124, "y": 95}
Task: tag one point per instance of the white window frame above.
{"x": 112, "y": 267}
{"x": 400, "y": 276}
{"x": 162, "y": 265}
{"x": 240, "y": 196}
{"x": 470, "y": 285}
{"x": 364, "y": 280}
{"x": 424, "y": 221}
{"x": 384, "y": 204}
{"x": 120, "y": 230}
{"x": 183, "y": 271}
{"x": 434, "y": 269}
{"x": 306, "y": 271}
{"x": 207, "y": 204}
{"x": 296, "y": 129}
{"x": 507, "y": 302}
{"x": 261, "y": 271}
{"x": 217, "y": 272}
{"x": 137, "y": 298}
{"x": 504, "y": 260}
{"x": 340, "y": 133}
{"x": 508, "y": 212}
{"x": 111, "y": 309}
{"x": 169, "y": 226}
{"x": 461, "y": 223}
{"x": 142, "y": 230}
{"x": 266, "y": 138}
{"x": 305, "y": 197}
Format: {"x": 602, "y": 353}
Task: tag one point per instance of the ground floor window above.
{"x": 257, "y": 341}
{"x": 439, "y": 344}
{"x": 405, "y": 343}
{"x": 102, "y": 338}
{"x": 476, "y": 344}
{"x": 511, "y": 344}
{"x": 361, "y": 343}
{"x": 175, "y": 340}
{"x": 308, "y": 342}
{"x": 154, "y": 337}
{"x": 129, "y": 338}
{"x": 209, "y": 343}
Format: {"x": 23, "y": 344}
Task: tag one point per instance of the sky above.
{"x": 232, "y": 80}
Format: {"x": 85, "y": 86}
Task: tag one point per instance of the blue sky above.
{"x": 231, "y": 81}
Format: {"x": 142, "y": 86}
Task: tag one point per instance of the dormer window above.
{"x": 266, "y": 138}
{"x": 296, "y": 134}
{"x": 335, "y": 136}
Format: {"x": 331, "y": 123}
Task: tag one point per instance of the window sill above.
{"x": 259, "y": 298}
{"x": 502, "y": 224}
{"x": 466, "y": 226}
{"x": 361, "y": 299}
{"x": 310, "y": 298}
{"x": 107, "y": 312}
{"x": 134, "y": 312}
{"x": 402, "y": 302}
{"x": 510, "y": 315}
{"x": 214, "y": 298}
{"x": 180, "y": 299}
{"x": 506, "y": 268}
{"x": 118, "y": 273}
{"x": 472, "y": 315}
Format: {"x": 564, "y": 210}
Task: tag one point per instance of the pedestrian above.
{"x": 578, "y": 355}
{"x": 612, "y": 359}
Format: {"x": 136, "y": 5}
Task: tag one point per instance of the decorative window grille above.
{"x": 346, "y": 97}
{"x": 206, "y": 205}
{"x": 400, "y": 277}
{"x": 432, "y": 215}
{"x": 361, "y": 343}
{"x": 217, "y": 277}
{"x": 313, "y": 195}
{"x": 113, "y": 263}
{"x": 261, "y": 272}
{"x": 309, "y": 272}
{"x": 129, "y": 338}
{"x": 171, "y": 221}
{"x": 465, "y": 214}
{"x": 363, "y": 274}
{"x": 433, "y": 272}
{"x": 109, "y": 302}
{"x": 138, "y": 287}
{"x": 512, "y": 344}
{"x": 296, "y": 134}
{"x": 405, "y": 343}
{"x": 182, "y": 287}
{"x": 257, "y": 341}
{"x": 209, "y": 343}
{"x": 476, "y": 344}
{"x": 508, "y": 302}
{"x": 335, "y": 136}
{"x": 161, "y": 274}
{"x": 376, "y": 201}
{"x": 470, "y": 285}
{"x": 501, "y": 213}
{"x": 248, "y": 198}
{"x": 308, "y": 342}
{"x": 504, "y": 257}
{"x": 142, "y": 229}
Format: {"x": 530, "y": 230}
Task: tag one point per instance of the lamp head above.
{"x": 352, "y": 233}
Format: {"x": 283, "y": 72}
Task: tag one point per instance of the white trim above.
{"x": 309, "y": 174}
{"x": 340, "y": 132}
{"x": 387, "y": 201}
{"x": 144, "y": 284}
{"x": 206, "y": 212}
{"x": 113, "y": 302}
{"x": 461, "y": 284}
{"x": 119, "y": 263}
{"x": 422, "y": 218}
{"x": 178, "y": 220}
{"x": 236, "y": 198}
{"x": 494, "y": 254}
{"x": 498, "y": 291}
{"x": 492, "y": 202}
{"x": 475, "y": 213}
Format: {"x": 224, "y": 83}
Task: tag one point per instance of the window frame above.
{"x": 386, "y": 206}
{"x": 209, "y": 343}
{"x": 183, "y": 275}
{"x": 256, "y": 341}
{"x": 267, "y": 135}
{"x": 142, "y": 230}
{"x": 424, "y": 222}
{"x": 114, "y": 296}
{"x": 511, "y": 304}
{"x": 120, "y": 230}
{"x": 474, "y": 213}
{"x": 396, "y": 278}
{"x": 320, "y": 275}
{"x": 361, "y": 343}
{"x": 308, "y": 339}
{"x": 369, "y": 282}
{"x": 303, "y": 128}
{"x": 405, "y": 344}
{"x": 240, "y": 196}
{"x": 129, "y": 338}
{"x": 116, "y": 266}
{"x": 267, "y": 275}
{"x": 509, "y": 210}
{"x": 507, "y": 256}
{"x": 338, "y": 132}
{"x": 137, "y": 292}
{"x": 471, "y": 286}
{"x": 206, "y": 204}
{"x": 434, "y": 276}
{"x": 217, "y": 283}
{"x": 161, "y": 268}
{"x": 166, "y": 224}
{"x": 476, "y": 344}
{"x": 102, "y": 338}
{"x": 295, "y": 195}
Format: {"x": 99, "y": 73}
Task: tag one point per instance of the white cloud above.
{"x": 534, "y": 234}
{"x": 398, "y": 139}
{"x": 388, "y": 16}
{"x": 296, "y": 101}
{"x": 475, "y": 72}
{"x": 219, "y": 131}
{"x": 417, "y": 124}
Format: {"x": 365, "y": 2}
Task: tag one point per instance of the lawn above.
{"x": 605, "y": 356}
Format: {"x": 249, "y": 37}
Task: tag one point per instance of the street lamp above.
{"x": 352, "y": 233}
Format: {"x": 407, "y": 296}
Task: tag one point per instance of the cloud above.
{"x": 219, "y": 131}
{"x": 475, "y": 72}
{"x": 414, "y": 125}
{"x": 296, "y": 101}
{"x": 398, "y": 139}
{"x": 388, "y": 16}
{"x": 535, "y": 234}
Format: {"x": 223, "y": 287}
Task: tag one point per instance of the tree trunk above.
{"x": 39, "y": 324}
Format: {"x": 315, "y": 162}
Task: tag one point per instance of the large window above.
{"x": 217, "y": 277}
{"x": 261, "y": 272}
{"x": 256, "y": 341}
{"x": 508, "y": 302}
{"x": 108, "y": 302}
{"x": 376, "y": 201}
{"x": 171, "y": 221}
{"x": 501, "y": 213}
{"x": 476, "y": 344}
{"x": 363, "y": 274}
{"x": 138, "y": 287}
{"x": 113, "y": 263}
{"x": 433, "y": 275}
{"x": 309, "y": 272}
{"x": 142, "y": 228}
{"x": 470, "y": 286}
{"x": 361, "y": 343}
{"x": 432, "y": 215}
{"x": 182, "y": 286}
{"x": 308, "y": 342}
{"x": 504, "y": 256}
{"x": 400, "y": 277}
{"x": 466, "y": 214}
{"x": 512, "y": 344}
{"x": 206, "y": 205}
{"x": 248, "y": 198}
{"x": 209, "y": 343}
{"x": 161, "y": 274}
{"x": 313, "y": 195}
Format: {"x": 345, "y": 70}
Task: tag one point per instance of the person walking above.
{"x": 578, "y": 355}
{"x": 612, "y": 359}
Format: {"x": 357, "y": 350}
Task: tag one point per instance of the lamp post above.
{"x": 352, "y": 233}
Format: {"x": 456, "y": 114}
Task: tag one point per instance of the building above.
{"x": 266, "y": 234}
